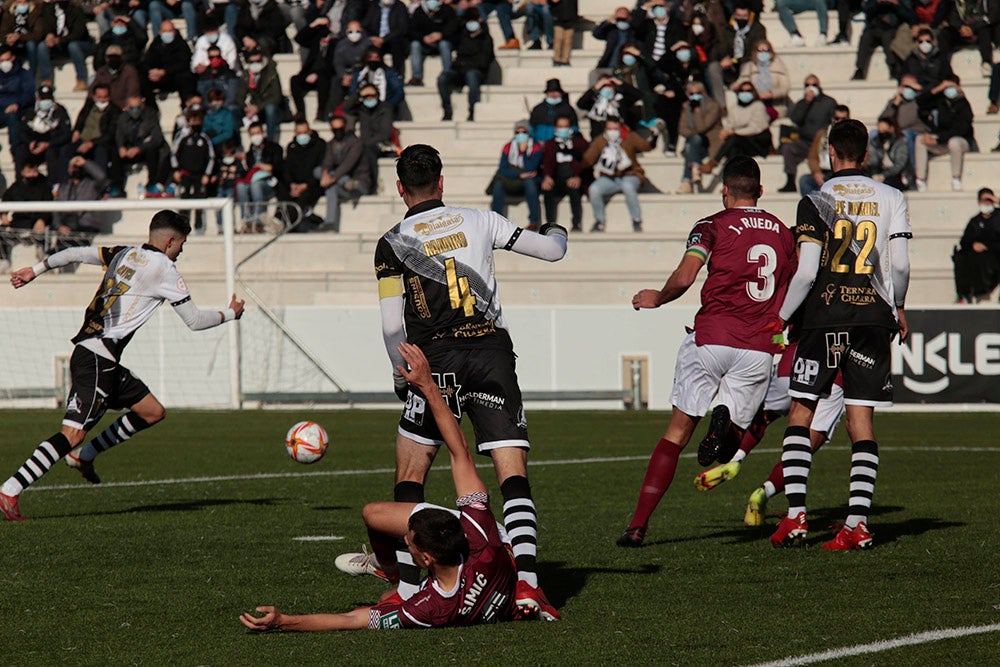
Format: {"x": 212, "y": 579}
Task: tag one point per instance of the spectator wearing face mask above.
{"x": 86, "y": 182}
{"x": 811, "y": 114}
{"x": 614, "y": 159}
{"x": 387, "y": 22}
{"x": 218, "y": 124}
{"x": 45, "y": 134}
{"x": 121, "y": 78}
{"x": 163, "y": 11}
{"x": 193, "y": 162}
{"x": 166, "y": 66}
{"x": 927, "y": 63}
{"x": 977, "y": 256}
{"x": 518, "y": 174}
{"x": 94, "y": 131}
{"x": 656, "y": 32}
{"x": 769, "y": 75}
{"x": 563, "y": 171}
{"x": 700, "y": 125}
{"x": 433, "y": 29}
{"x": 374, "y": 120}
{"x": 230, "y": 169}
{"x": 709, "y": 49}
{"x": 608, "y": 98}
{"x": 133, "y": 11}
{"x": 259, "y": 92}
{"x": 261, "y": 25}
{"x": 888, "y": 157}
{"x": 679, "y": 67}
{"x": 303, "y": 159}
{"x": 638, "y": 72}
{"x": 473, "y": 57}
{"x": 903, "y": 108}
{"x": 317, "y": 67}
{"x": 948, "y": 116}
{"x": 67, "y": 37}
{"x": 615, "y": 31}
{"x": 265, "y": 163}
{"x": 564, "y": 17}
{"x": 740, "y": 37}
{"x": 127, "y": 36}
{"x": 139, "y": 140}
{"x": 969, "y": 25}
{"x": 29, "y": 186}
{"x": 23, "y": 27}
{"x": 744, "y": 129}
{"x": 217, "y": 73}
{"x": 346, "y": 173}
{"x": 17, "y": 94}
{"x": 543, "y": 116}
{"x": 385, "y": 80}
{"x": 347, "y": 57}
{"x": 818, "y": 159}
{"x": 214, "y": 38}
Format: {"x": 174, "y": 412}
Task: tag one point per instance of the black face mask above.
{"x": 375, "y": 64}
{"x": 195, "y": 129}
{"x": 114, "y": 62}
{"x": 339, "y": 133}
{"x": 884, "y": 136}
{"x": 76, "y": 173}
{"x": 32, "y": 180}
{"x": 741, "y": 23}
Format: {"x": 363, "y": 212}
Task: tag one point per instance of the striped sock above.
{"x": 796, "y": 458}
{"x": 521, "y": 522}
{"x": 124, "y": 428}
{"x": 409, "y": 573}
{"x": 864, "y": 469}
{"x": 39, "y": 463}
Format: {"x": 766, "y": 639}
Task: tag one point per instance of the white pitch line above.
{"x": 318, "y": 538}
{"x": 880, "y": 646}
{"x": 385, "y": 471}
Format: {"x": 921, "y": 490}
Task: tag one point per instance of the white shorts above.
{"x": 717, "y": 373}
{"x": 828, "y": 410}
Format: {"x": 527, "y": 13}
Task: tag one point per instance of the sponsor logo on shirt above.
{"x": 854, "y": 190}
{"x": 438, "y": 225}
{"x": 805, "y": 371}
{"x": 390, "y": 621}
{"x": 419, "y": 299}
{"x": 135, "y": 258}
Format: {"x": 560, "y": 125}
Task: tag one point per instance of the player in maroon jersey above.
{"x": 751, "y": 256}
{"x": 471, "y": 573}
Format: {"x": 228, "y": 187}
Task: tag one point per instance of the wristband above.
{"x": 228, "y": 315}
{"x": 40, "y": 268}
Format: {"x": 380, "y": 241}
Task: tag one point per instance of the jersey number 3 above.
{"x": 766, "y": 259}
{"x": 458, "y": 289}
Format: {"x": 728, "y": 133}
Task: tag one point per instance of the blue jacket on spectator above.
{"x": 17, "y": 87}
{"x": 532, "y": 161}
{"x": 219, "y": 126}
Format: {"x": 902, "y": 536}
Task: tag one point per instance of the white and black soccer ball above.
{"x": 306, "y": 442}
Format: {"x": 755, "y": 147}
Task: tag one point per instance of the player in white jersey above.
{"x": 137, "y": 280}
{"x": 437, "y": 290}
{"x": 851, "y": 286}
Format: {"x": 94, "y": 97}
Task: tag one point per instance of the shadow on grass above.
{"x": 561, "y": 583}
{"x": 333, "y": 508}
{"x": 181, "y": 506}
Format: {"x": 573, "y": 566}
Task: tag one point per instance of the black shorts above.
{"x": 99, "y": 384}
{"x": 480, "y": 382}
{"x": 862, "y": 353}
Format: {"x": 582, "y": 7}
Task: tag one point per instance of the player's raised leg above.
{"x": 40, "y": 462}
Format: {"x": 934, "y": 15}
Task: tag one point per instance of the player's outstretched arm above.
{"x": 273, "y": 619}
{"x": 87, "y": 255}
{"x": 197, "y": 319}
{"x": 677, "y": 284}
{"x": 463, "y": 468}
{"x": 548, "y": 243}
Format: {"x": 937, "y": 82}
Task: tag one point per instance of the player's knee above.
{"x": 154, "y": 414}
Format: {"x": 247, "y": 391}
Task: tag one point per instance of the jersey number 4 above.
{"x": 458, "y": 289}
{"x": 845, "y": 232}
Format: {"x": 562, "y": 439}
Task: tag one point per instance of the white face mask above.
{"x": 256, "y": 139}
{"x": 613, "y": 136}
{"x": 925, "y": 47}
{"x": 354, "y": 36}
{"x": 101, "y": 106}
{"x": 986, "y": 209}
{"x": 255, "y": 67}
{"x": 6, "y": 66}
{"x": 697, "y": 28}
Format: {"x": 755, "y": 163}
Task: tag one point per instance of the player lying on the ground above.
{"x": 137, "y": 280}
{"x": 776, "y": 405}
{"x": 471, "y": 576}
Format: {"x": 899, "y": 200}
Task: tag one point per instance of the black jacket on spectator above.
{"x": 143, "y": 132}
{"x": 947, "y": 118}
{"x": 59, "y": 132}
{"x": 133, "y": 43}
{"x": 930, "y": 70}
{"x": 319, "y": 60}
{"x": 444, "y": 21}
{"x": 474, "y": 52}
{"x": 90, "y": 187}
{"x": 268, "y": 29}
{"x": 174, "y": 58}
{"x": 193, "y": 153}
{"x": 75, "y": 29}
{"x": 982, "y": 230}
{"x": 564, "y": 12}
{"x": 399, "y": 22}
{"x": 109, "y": 122}
{"x": 268, "y": 153}
{"x": 811, "y": 117}
{"x": 645, "y": 35}
{"x": 346, "y": 158}
{"x": 39, "y": 190}
{"x": 614, "y": 39}
{"x": 301, "y": 160}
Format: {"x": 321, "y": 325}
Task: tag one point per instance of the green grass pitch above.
{"x": 156, "y": 573}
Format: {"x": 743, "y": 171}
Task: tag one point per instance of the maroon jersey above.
{"x": 751, "y": 257}
{"x": 484, "y": 592}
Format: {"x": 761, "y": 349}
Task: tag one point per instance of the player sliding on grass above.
{"x": 750, "y": 256}
{"x": 851, "y": 284}
{"x": 471, "y": 576}
{"x": 137, "y": 280}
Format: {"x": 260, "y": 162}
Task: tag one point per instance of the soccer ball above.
{"x": 306, "y": 442}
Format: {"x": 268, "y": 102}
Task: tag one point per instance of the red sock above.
{"x": 777, "y": 478}
{"x": 659, "y": 473}
{"x": 754, "y": 433}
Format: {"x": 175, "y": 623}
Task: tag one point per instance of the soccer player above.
{"x": 750, "y": 255}
{"x": 851, "y": 283}
{"x": 137, "y": 280}
{"x": 471, "y": 576}
{"x": 437, "y": 289}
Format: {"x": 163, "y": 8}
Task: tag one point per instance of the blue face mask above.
{"x": 553, "y": 101}
{"x": 909, "y": 94}
{"x": 564, "y": 132}
{"x": 764, "y": 57}
{"x": 623, "y": 25}
{"x": 119, "y": 30}
{"x": 472, "y": 26}
{"x": 659, "y": 12}
{"x": 22, "y": 9}
{"x": 212, "y": 37}
{"x": 302, "y": 139}
{"x": 684, "y": 55}
{"x": 607, "y": 93}
{"x": 695, "y": 97}
{"x": 433, "y": 5}
{"x": 745, "y": 97}
{"x": 521, "y": 138}
{"x": 370, "y": 103}
{"x": 45, "y": 105}
{"x": 951, "y": 92}
{"x": 167, "y": 37}
{"x": 628, "y": 60}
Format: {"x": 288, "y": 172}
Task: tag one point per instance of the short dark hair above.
{"x": 984, "y": 191}
{"x": 742, "y": 176}
{"x": 167, "y": 219}
{"x": 216, "y": 94}
{"x": 439, "y": 533}
{"x": 228, "y": 146}
{"x": 566, "y": 117}
{"x": 419, "y": 168}
{"x": 256, "y": 124}
{"x": 842, "y": 108}
{"x": 849, "y": 140}
{"x": 100, "y": 86}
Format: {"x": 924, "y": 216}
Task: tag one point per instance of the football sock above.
{"x": 776, "y": 480}
{"x": 46, "y": 454}
{"x": 659, "y": 473}
{"x": 769, "y": 490}
{"x": 520, "y": 520}
{"x": 124, "y": 428}
{"x": 739, "y": 456}
{"x": 409, "y": 573}
{"x": 796, "y": 458}
{"x": 753, "y": 435}
{"x": 864, "y": 468}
